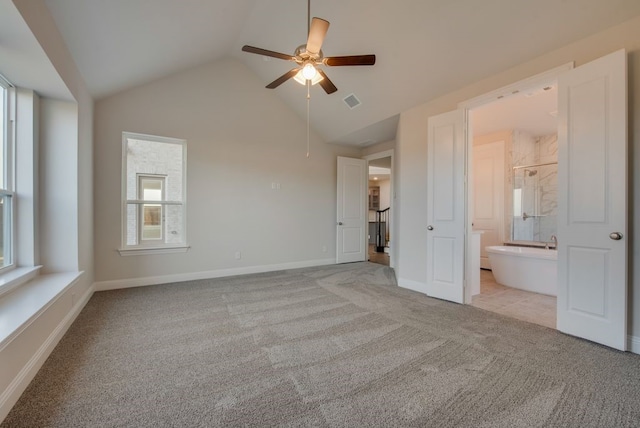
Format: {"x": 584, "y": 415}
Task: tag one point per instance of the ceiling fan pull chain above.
{"x": 308, "y": 101}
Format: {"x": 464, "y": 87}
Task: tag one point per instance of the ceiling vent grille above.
{"x": 352, "y": 101}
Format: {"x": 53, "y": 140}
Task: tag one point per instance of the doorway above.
{"x": 515, "y": 198}
{"x": 592, "y": 187}
{"x": 380, "y": 207}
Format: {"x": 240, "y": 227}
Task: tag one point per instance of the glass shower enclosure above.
{"x": 535, "y": 202}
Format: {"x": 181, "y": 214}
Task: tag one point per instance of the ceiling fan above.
{"x": 309, "y": 57}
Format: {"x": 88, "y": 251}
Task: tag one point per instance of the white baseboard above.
{"x": 10, "y": 396}
{"x": 191, "y": 276}
{"x": 633, "y": 344}
{"x": 412, "y": 285}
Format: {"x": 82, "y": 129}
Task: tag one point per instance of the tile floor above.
{"x": 523, "y": 305}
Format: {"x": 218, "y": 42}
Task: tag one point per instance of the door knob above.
{"x": 616, "y": 236}
{"x": 429, "y": 227}
{"x": 339, "y": 223}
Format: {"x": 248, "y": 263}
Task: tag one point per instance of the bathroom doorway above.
{"x": 592, "y": 250}
{"x": 514, "y": 168}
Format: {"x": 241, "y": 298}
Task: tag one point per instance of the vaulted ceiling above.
{"x": 424, "y": 48}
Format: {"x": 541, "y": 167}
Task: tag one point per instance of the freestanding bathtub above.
{"x": 530, "y": 269}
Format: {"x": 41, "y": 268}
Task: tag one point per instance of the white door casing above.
{"x": 488, "y": 196}
{"x": 351, "y": 242}
{"x": 592, "y": 183}
{"x": 446, "y": 214}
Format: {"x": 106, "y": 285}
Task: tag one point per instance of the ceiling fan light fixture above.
{"x": 308, "y": 72}
{"x": 309, "y": 56}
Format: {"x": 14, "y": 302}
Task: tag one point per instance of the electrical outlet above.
{"x": 238, "y": 255}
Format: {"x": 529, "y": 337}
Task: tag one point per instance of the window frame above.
{"x": 9, "y": 168}
{"x": 151, "y": 246}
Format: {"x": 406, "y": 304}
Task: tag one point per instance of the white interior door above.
{"x": 488, "y": 198}
{"x": 352, "y": 214}
{"x": 592, "y": 220}
{"x": 446, "y": 206}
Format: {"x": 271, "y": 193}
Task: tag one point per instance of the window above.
{"x": 151, "y": 216}
{"x": 154, "y": 190}
{"x": 6, "y": 179}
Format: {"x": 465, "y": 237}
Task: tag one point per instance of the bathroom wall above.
{"x": 507, "y": 137}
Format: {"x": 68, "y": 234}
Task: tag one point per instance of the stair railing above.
{"x": 382, "y": 229}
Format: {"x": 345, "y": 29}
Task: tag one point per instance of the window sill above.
{"x": 20, "y": 308}
{"x": 14, "y": 278}
{"x": 145, "y": 251}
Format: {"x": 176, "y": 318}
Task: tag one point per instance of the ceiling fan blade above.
{"x": 334, "y": 61}
{"x": 280, "y": 80}
{"x": 317, "y": 31}
{"x": 327, "y": 84}
{"x": 259, "y": 51}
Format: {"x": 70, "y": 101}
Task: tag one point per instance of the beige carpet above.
{"x": 331, "y": 346}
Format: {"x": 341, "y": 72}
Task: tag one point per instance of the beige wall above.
{"x": 378, "y": 148}
{"x": 64, "y": 210}
{"x": 412, "y": 137}
{"x": 240, "y": 139}
{"x": 80, "y": 148}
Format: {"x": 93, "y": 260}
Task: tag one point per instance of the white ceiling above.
{"x": 22, "y": 60}
{"x": 531, "y": 111}
{"x": 424, "y": 48}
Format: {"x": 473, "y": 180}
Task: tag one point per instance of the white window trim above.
{"x": 9, "y": 176}
{"x": 155, "y": 248}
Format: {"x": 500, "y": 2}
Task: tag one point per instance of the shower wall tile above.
{"x": 523, "y": 230}
{"x": 548, "y": 148}
{"x": 540, "y": 190}
{"x": 548, "y": 226}
{"x": 548, "y": 180}
{"x": 521, "y": 148}
{"x": 524, "y": 148}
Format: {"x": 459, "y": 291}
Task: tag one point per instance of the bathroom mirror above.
{"x": 535, "y": 206}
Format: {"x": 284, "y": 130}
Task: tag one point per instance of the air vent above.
{"x": 352, "y": 101}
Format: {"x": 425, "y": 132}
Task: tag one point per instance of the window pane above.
{"x": 174, "y": 222}
{"x": 5, "y": 231}
{"x": 3, "y": 129}
{"x": 154, "y": 158}
{"x": 152, "y": 222}
{"x": 151, "y": 190}
{"x": 132, "y": 224}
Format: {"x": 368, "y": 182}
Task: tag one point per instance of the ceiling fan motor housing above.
{"x": 301, "y": 54}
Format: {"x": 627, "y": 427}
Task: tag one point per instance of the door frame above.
{"x": 468, "y": 105}
{"x": 392, "y": 199}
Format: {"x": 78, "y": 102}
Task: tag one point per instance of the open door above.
{"x": 446, "y": 206}
{"x": 592, "y": 220}
{"x": 351, "y": 241}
